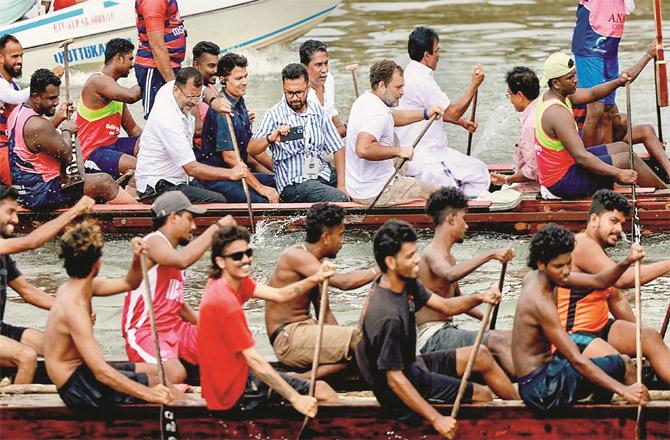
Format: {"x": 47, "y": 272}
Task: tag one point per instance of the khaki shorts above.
{"x": 403, "y": 189}
{"x": 295, "y": 344}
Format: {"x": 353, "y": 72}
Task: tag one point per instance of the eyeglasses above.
{"x": 237, "y": 256}
{"x": 190, "y": 98}
{"x": 296, "y": 94}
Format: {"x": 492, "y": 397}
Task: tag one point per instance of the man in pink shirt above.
{"x": 523, "y": 88}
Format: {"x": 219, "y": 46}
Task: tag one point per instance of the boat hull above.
{"x": 229, "y": 23}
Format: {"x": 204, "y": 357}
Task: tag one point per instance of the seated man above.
{"x": 176, "y": 322}
{"x": 224, "y": 338}
{"x": 440, "y": 272}
{"x": 38, "y": 154}
{"x": 523, "y": 88}
{"x": 550, "y": 381}
{"x": 74, "y": 360}
{"x": 585, "y": 313}
{"x": 371, "y": 147}
{"x": 300, "y": 135}
{"x": 314, "y": 56}
{"x": 103, "y": 110}
{"x": 291, "y": 329}
{"x": 20, "y": 346}
{"x": 166, "y": 160}
{"x": 214, "y": 146}
{"x": 405, "y": 383}
{"x": 566, "y": 168}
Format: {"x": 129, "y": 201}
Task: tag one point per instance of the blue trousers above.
{"x": 234, "y": 192}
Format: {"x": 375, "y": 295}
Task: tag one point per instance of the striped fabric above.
{"x": 4, "y": 115}
{"x": 321, "y": 138}
{"x": 173, "y": 27}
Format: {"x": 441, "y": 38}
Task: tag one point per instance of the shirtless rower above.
{"x": 103, "y": 111}
{"x": 290, "y": 326}
{"x": 74, "y": 360}
{"x": 19, "y": 346}
{"x": 550, "y": 381}
{"x": 566, "y": 168}
{"x": 39, "y": 154}
{"x": 176, "y": 321}
{"x": 585, "y": 313}
{"x": 440, "y": 273}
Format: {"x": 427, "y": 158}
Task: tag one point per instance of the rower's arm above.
{"x": 587, "y": 96}
{"x": 41, "y": 136}
{"x": 263, "y": 163}
{"x": 230, "y": 158}
{"x": 45, "y": 232}
{"x": 160, "y": 52}
{"x": 289, "y": 292}
{"x": 111, "y": 90}
{"x": 268, "y": 375}
{"x": 343, "y": 281}
{"x": 608, "y": 276}
{"x": 31, "y": 294}
{"x": 132, "y": 280}
{"x": 188, "y": 314}
{"x": 454, "y": 305}
{"x": 404, "y": 389}
{"x": 369, "y": 148}
{"x": 203, "y": 171}
{"x": 406, "y": 117}
{"x": 648, "y": 273}
{"x": 441, "y": 267}
{"x": 619, "y": 307}
{"x": 128, "y": 123}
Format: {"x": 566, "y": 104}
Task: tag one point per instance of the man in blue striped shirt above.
{"x": 301, "y": 171}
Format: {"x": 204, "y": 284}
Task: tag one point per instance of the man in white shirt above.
{"x": 370, "y": 144}
{"x": 314, "y": 56}
{"x": 166, "y": 160}
{"x": 434, "y": 161}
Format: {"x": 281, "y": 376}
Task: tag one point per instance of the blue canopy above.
{"x": 12, "y": 10}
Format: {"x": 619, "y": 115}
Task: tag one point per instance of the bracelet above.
{"x": 212, "y": 100}
{"x": 425, "y": 114}
{"x": 267, "y": 138}
{"x": 64, "y": 130}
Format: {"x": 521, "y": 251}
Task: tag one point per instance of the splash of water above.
{"x": 492, "y": 133}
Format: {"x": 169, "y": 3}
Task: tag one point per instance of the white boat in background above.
{"x": 228, "y": 23}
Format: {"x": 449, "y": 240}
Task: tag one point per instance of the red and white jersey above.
{"x": 167, "y": 293}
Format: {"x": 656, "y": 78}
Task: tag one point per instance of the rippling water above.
{"x": 499, "y": 34}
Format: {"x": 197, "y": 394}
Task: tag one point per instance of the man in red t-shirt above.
{"x": 224, "y": 337}
{"x": 62, "y": 4}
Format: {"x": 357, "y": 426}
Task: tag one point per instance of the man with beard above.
{"x": 585, "y": 313}
{"x": 103, "y": 110}
{"x": 406, "y": 384}
{"x": 300, "y": 136}
{"x": 371, "y": 144}
{"x": 440, "y": 272}
{"x": 39, "y": 154}
{"x": 176, "y": 322}
{"x": 553, "y": 381}
{"x": 20, "y": 346}
{"x": 566, "y": 168}
{"x": 214, "y": 146}
{"x": 314, "y": 56}
{"x": 166, "y": 161}
{"x": 290, "y": 326}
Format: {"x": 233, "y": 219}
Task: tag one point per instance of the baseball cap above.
{"x": 174, "y": 201}
{"x": 555, "y": 66}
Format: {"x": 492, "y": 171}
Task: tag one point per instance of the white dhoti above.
{"x": 455, "y": 169}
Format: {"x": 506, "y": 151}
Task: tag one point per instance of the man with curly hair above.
{"x": 585, "y": 313}
{"x": 74, "y": 360}
{"x": 553, "y": 381}
{"x": 224, "y": 337}
{"x": 440, "y": 272}
{"x": 290, "y": 326}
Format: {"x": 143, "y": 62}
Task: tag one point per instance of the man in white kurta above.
{"x": 434, "y": 162}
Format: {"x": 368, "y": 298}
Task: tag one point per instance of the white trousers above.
{"x": 456, "y": 169}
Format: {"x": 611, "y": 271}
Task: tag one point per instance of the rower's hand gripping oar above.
{"x": 245, "y": 185}
{"x": 354, "y": 76}
{"x": 74, "y": 171}
{"x": 168, "y": 420}
{"x": 401, "y": 164}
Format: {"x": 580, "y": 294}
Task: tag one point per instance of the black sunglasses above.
{"x": 237, "y": 256}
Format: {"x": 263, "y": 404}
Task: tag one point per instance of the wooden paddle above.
{"x": 75, "y": 169}
{"x": 402, "y": 163}
{"x": 245, "y": 185}
{"x": 501, "y": 284}
{"x": 323, "y": 302}
{"x": 357, "y": 87}
{"x": 472, "y": 118}
{"x": 168, "y": 420}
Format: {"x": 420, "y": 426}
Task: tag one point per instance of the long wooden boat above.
{"x": 43, "y": 416}
{"x": 527, "y": 217}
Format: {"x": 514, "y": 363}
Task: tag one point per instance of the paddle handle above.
{"x": 473, "y": 354}
{"x": 666, "y": 321}
{"x": 152, "y": 317}
{"x": 472, "y": 118}
{"x": 323, "y": 305}
{"x": 501, "y": 284}
{"x": 354, "y": 76}
{"x": 245, "y": 185}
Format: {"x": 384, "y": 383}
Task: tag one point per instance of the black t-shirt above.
{"x": 389, "y": 335}
{"x": 8, "y": 273}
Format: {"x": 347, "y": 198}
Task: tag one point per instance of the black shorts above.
{"x": 11, "y": 331}
{"x": 83, "y": 391}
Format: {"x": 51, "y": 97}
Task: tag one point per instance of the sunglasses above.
{"x": 237, "y": 256}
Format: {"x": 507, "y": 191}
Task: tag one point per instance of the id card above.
{"x": 311, "y": 167}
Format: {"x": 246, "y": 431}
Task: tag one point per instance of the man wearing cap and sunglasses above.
{"x": 176, "y": 322}
{"x": 566, "y": 168}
